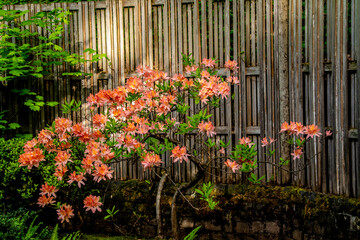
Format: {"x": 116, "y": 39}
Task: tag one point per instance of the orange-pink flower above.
{"x": 29, "y": 145}
{"x": 45, "y": 200}
{"x": 207, "y": 127}
{"x": 150, "y": 160}
{"x": 233, "y": 80}
{"x": 231, "y": 65}
{"x": 101, "y": 172}
{"x": 246, "y": 141}
{"x": 99, "y": 120}
{"x": 223, "y": 90}
{"x": 92, "y": 203}
{"x": 293, "y": 128}
{"x": 179, "y": 154}
{"x": 48, "y": 190}
{"x": 297, "y": 153}
{"x": 31, "y": 158}
{"x": 130, "y": 128}
{"x": 87, "y": 164}
{"x": 233, "y": 165}
{"x": 62, "y": 158}
{"x": 205, "y": 74}
{"x": 222, "y": 150}
{"x": 60, "y": 172}
{"x": 129, "y": 142}
{"x": 134, "y": 85}
{"x": 62, "y": 125}
{"x": 298, "y": 128}
{"x": 45, "y": 136}
{"x": 208, "y": 63}
{"x": 190, "y": 69}
{"x": 312, "y": 131}
{"x": 328, "y": 133}
{"x": 178, "y": 77}
{"x": 65, "y": 213}
{"x": 79, "y": 178}
{"x": 265, "y": 142}
{"x": 142, "y": 70}
{"x": 97, "y": 135}
{"x": 284, "y": 127}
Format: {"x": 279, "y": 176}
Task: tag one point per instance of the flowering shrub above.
{"x": 138, "y": 124}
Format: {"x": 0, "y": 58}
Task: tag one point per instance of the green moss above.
{"x": 310, "y": 203}
{"x": 136, "y": 200}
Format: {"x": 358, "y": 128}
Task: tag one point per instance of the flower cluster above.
{"x": 31, "y": 157}
{"x": 207, "y": 127}
{"x": 92, "y": 203}
{"x": 303, "y": 132}
{"x": 179, "y": 154}
{"x": 137, "y": 115}
{"x": 65, "y": 212}
{"x": 150, "y": 160}
{"x": 47, "y": 195}
{"x": 297, "y": 132}
{"x": 298, "y": 129}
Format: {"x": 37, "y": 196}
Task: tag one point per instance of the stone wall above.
{"x": 243, "y": 212}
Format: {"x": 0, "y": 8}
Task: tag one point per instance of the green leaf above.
{"x": 58, "y": 48}
{"x": 199, "y": 191}
{"x": 192, "y": 235}
{"x": 52, "y": 104}
{"x": 14, "y": 126}
{"x": 35, "y": 108}
{"x": 89, "y": 50}
{"x": 17, "y": 73}
{"x": 39, "y": 98}
{"x": 40, "y": 104}
{"x": 38, "y": 75}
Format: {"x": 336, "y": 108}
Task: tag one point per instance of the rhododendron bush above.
{"x": 141, "y": 121}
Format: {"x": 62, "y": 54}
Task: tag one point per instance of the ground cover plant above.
{"x": 139, "y": 124}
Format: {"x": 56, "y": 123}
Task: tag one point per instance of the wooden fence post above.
{"x": 283, "y": 11}
{"x": 357, "y": 59}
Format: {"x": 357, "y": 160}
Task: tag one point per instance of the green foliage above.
{"x": 27, "y": 55}
{"x": 210, "y": 143}
{"x": 192, "y": 235}
{"x": 205, "y": 193}
{"x": 5, "y": 125}
{"x": 188, "y": 60}
{"x": 194, "y": 121}
{"x": 19, "y": 58}
{"x": 284, "y": 162}
{"x": 71, "y": 106}
{"x": 19, "y": 186}
{"x": 111, "y": 213}
{"x": 246, "y": 154}
{"x": 74, "y": 59}
{"x": 71, "y": 236}
{"x": 21, "y": 224}
{"x": 254, "y": 179}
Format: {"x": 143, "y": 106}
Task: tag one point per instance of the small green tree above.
{"x": 28, "y": 55}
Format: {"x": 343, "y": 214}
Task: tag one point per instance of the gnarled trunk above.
{"x": 184, "y": 187}
{"x": 158, "y": 206}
